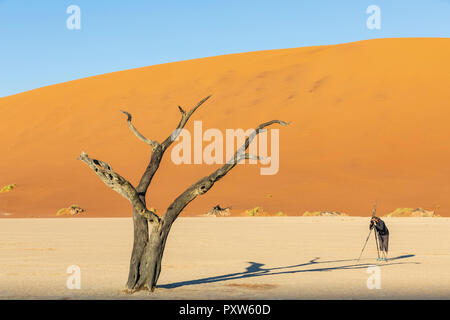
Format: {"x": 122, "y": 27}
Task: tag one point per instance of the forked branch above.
{"x": 159, "y": 150}
{"x": 116, "y": 182}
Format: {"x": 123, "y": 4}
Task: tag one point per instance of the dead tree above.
{"x": 148, "y": 246}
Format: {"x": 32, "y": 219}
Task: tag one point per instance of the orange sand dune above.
{"x": 370, "y": 120}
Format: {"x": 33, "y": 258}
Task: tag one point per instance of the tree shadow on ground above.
{"x": 256, "y": 269}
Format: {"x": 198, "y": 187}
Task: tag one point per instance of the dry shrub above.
{"x": 8, "y": 188}
{"x": 255, "y": 212}
{"x": 217, "y": 211}
{"x": 73, "y": 210}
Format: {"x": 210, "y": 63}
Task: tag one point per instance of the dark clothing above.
{"x": 383, "y": 242}
{"x": 380, "y": 226}
{"x": 382, "y": 233}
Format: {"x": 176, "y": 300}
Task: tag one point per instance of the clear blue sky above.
{"x": 37, "y": 49}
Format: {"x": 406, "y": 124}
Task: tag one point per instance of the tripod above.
{"x": 376, "y": 242}
{"x": 367, "y": 239}
{"x": 365, "y": 243}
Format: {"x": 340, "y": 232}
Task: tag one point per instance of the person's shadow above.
{"x": 256, "y": 269}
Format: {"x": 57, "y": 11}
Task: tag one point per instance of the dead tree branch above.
{"x": 151, "y": 143}
{"x": 116, "y": 182}
{"x": 184, "y": 119}
{"x": 160, "y": 149}
{"x": 203, "y": 185}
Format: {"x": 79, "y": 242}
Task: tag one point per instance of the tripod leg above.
{"x": 367, "y": 239}
{"x": 376, "y": 241}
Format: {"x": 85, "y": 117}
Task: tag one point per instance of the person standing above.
{"x": 383, "y": 235}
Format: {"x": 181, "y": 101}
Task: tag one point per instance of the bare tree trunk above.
{"x": 141, "y": 237}
{"x": 148, "y": 246}
{"x": 146, "y": 260}
{"x": 152, "y": 258}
